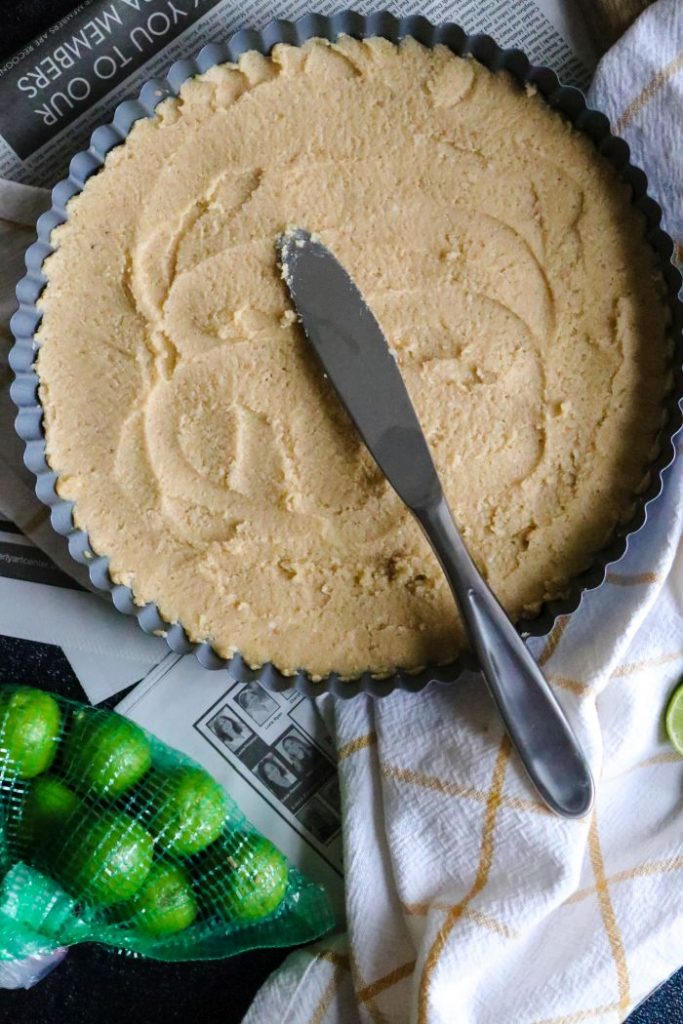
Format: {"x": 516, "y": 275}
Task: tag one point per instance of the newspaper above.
{"x": 41, "y": 602}
{"x": 271, "y": 751}
{"x": 58, "y": 88}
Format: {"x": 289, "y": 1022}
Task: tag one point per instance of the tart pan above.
{"x": 29, "y": 423}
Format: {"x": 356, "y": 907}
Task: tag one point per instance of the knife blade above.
{"x": 355, "y": 355}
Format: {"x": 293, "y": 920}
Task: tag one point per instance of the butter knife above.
{"x": 356, "y": 357}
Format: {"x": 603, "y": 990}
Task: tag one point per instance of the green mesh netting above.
{"x": 108, "y": 835}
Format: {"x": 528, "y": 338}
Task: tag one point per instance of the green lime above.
{"x": 105, "y": 753}
{"x": 106, "y": 857}
{"x": 48, "y": 806}
{"x": 187, "y": 807}
{"x": 674, "y": 719}
{"x": 248, "y": 877}
{"x": 164, "y": 904}
{"x": 30, "y": 721}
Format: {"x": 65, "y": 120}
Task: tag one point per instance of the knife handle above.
{"x": 534, "y": 720}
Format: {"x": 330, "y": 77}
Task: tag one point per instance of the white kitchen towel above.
{"x": 467, "y": 901}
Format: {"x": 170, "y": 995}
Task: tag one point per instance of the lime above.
{"x": 106, "y": 858}
{"x": 674, "y": 719}
{"x": 247, "y": 878}
{"x": 105, "y": 753}
{"x": 48, "y": 806}
{"x": 29, "y": 729}
{"x": 188, "y": 809}
{"x": 164, "y": 904}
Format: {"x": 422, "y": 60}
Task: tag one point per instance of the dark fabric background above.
{"x": 94, "y": 985}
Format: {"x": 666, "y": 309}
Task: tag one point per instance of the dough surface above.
{"x": 190, "y": 424}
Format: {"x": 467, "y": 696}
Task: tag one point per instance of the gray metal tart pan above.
{"x": 569, "y": 101}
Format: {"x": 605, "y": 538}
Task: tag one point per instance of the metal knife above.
{"x": 355, "y": 356}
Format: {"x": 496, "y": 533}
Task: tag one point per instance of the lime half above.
{"x": 674, "y": 718}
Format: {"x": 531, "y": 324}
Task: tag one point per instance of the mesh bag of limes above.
{"x": 108, "y": 835}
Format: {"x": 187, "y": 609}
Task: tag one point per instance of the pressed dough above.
{"x": 191, "y": 426}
